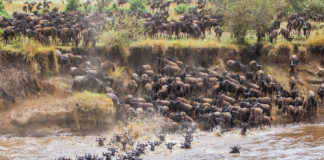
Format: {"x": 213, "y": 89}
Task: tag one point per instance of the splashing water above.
{"x": 290, "y": 142}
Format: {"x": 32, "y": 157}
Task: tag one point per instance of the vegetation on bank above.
{"x": 316, "y": 41}
{"x": 242, "y": 20}
{"x": 94, "y": 108}
{"x": 118, "y": 36}
{"x": 280, "y": 48}
{"x": 183, "y": 43}
{"x": 42, "y": 59}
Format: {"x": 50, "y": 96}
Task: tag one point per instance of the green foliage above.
{"x": 137, "y": 6}
{"x": 314, "y": 6}
{"x": 72, "y": 5}
{"x": 184, "y": 8}
{"x": 241, "y": 16}
{"x": 296, "y": 5}
{"x": 102, "y": 4}
{"x": 121, "y": 33}
{"x": 1, "y": 6}
{"x": 113, "y": 8}
{"x": 3, "y": 12}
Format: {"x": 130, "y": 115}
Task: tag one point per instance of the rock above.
{"x": 320, "y": 73}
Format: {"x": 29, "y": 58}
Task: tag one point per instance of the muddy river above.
{"x": 299, "y": 141}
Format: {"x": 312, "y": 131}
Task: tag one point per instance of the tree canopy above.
{"x": 241, "y": 16}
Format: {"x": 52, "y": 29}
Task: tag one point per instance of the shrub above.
{"x": 118, "y": 36}
{"x": 314, "y": 6}
{"x": 3, "y": 12}
{"x": 113, "y": 8}
{"x": 242, "y": 16}
{"x": 1, "y": 6}
{"x": 317, "y": 40}
{"x": 184, "y": 8}
{"x": 91, "y": 108}
{"x": 137, "y": 6}
{"x": 102, "y": 4}
{"x": 72, "y": 5}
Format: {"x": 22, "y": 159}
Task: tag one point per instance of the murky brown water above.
{"x": 289, "y": 142}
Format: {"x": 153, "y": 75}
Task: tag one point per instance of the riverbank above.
{"x": 42, "y": 110}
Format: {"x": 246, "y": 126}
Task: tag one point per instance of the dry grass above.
{"x": 279, "y": 73}
{"x": 91, "y": 107}
{"x": 281, "y": 48}
{"x": 14, "y": 80}
{"x": 2, "y": 104}
{"x": 183, "y": 43}
{"x": 18, "y": 6}
{"x": 42, "y": 58}
{"x": 117, "y": 73}
{"x": 317, "y": 40}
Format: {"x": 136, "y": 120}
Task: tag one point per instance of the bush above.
{"x": 316, "y": 41}
{"x": 137, "y": 6}
{"x": 113, "y": 8}
{"x": 3, "y": 12}
{"x": 184, "y": 8}
{"x": 91, "y": 108}
{"x": 314, "y": 6}
{"x": 72, "y": 5}
{"x": 1, "y": 6}
{"x": 242, "y": 16}
{"x": 119, "y": 35}
{"x": 102, "y": 4}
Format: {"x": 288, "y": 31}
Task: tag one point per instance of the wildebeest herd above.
{"x": 65, "y": 27}
{"x": 240, "y": 96}
{"x": 72, "y": 27}
{"x": 120, "y": 141}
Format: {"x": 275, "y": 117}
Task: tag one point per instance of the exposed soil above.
{"x": 43, "y": 111}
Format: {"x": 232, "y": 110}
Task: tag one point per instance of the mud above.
{"x": 39, "y": 127}
{"x": 303, "y": 141}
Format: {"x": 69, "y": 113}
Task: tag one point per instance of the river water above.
{"x": 298, "y": 141}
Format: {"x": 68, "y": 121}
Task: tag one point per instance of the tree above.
{"x": 118, "y": 35}
{"x": 137, "y": 6}
{"x": 311, "y": 6}
{"x": 241, "y": 16}
{"x": 72, "y": 5}
{"x": 101, "y": 4}
{"x": 296, "y": 5}
{"x": 314, "y": 6}
{"x": 1, "y": 6}
{"x": 3, "y": 12}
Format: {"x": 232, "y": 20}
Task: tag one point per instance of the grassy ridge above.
{"x": 91, "y": 107}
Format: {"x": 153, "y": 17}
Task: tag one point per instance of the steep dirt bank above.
{"x": 42, "y": 111}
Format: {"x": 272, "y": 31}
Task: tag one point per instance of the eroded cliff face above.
{"x": 40, "y": 93}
